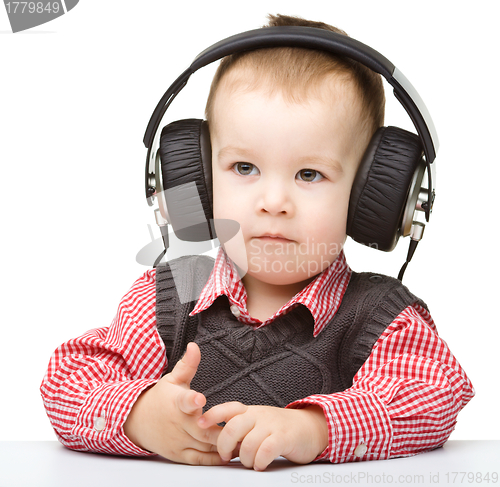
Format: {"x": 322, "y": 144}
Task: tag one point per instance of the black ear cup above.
{"x": 381, "y": 187}
{"x": 186, "y": 167}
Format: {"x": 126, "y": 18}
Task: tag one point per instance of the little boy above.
{"x": 288, "y": 129}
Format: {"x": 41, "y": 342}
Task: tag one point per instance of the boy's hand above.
{"x": 266, "y": 432}
{"x": 164, "y": 418}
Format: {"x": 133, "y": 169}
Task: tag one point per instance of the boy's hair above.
{"x": 296, "y": 71}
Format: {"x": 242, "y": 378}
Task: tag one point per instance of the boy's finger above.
{"x": 205, "y": 435}
{"x": 269, "y": 449}
{"x": 221, "y": 412}
{"x": 190, "y": 402}
{"x": 196, "y": 457}
{"x": 185, "y": 369}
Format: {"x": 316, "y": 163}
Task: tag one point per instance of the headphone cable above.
{"x": 163, "y": 224}
{"x": 417, "y": 231}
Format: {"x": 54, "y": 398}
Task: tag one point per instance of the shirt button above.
{"x": 360, "y": 450}
{"x": 235, "y": 310}
{"x": 99, "y": 423}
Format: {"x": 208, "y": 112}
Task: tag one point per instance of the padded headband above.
{"x": 310, "y": 38}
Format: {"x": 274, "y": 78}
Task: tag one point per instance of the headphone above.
{"x": 387, "y": 190}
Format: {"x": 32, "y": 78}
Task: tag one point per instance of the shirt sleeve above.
{"x": 93, "y": 381}
{"x": 404, "y": 399}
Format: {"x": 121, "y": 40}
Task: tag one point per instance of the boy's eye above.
{"x": 245, "y": 169}
{"x": 309, "y": 175}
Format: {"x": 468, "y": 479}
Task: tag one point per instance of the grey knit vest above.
{"x": 280, "y": 362}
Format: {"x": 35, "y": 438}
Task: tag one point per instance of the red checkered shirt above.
{"x": 322, "y": 296}
{"x": 404, "y": 399}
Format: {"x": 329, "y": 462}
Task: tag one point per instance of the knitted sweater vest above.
{"x": 280, "y": 362}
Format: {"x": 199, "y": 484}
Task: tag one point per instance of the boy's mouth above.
{"x": 273, "y": 237}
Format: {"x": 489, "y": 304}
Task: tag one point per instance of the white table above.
{"x": 49, "y": 464}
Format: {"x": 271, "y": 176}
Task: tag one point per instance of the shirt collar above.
{"x": 322, "y": 296}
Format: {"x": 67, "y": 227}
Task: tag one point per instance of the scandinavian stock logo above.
{"x": 26, "y": 15}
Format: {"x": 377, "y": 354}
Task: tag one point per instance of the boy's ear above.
{"x": 381, "y": 187}
{"x": 186, "y": 162}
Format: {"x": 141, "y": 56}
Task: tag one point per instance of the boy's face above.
{"x": 284, "y": 172}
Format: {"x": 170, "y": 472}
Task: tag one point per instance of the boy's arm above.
{"x": 404, "y": 399}
{"x": 93, "y": 381}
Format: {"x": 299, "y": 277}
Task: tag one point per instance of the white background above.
{"x": 76, "y": 95}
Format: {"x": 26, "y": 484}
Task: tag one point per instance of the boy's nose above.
{"x": 275, "y": 199}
